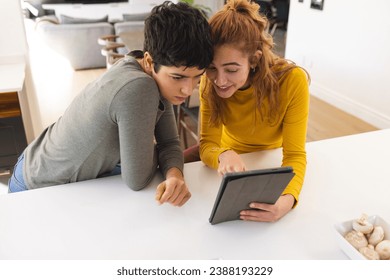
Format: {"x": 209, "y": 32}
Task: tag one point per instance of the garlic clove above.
{"x": 383, "y": 249}
{"x": 362, "y": 225}
{"x": 376, "y": 236}
{"x": 356, "y": 239}
{"x": 369, "y": 252}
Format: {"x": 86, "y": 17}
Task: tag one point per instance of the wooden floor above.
{"x": 326, "y": 121}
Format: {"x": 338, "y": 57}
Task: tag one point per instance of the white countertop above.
{"x": 104, "y": 219}
{"x": 12, "y": 76}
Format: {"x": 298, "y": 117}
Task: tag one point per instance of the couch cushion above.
{"x": 78, "y": 43}
{"x": 131, "y": 33}
{"x": 135, "y": 17}
{"x": 72, "y": 20}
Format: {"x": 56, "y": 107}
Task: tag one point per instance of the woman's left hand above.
{"x": 263, "y": 212}
{"x": 173, "y": 190}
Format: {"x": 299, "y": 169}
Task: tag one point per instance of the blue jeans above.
{"x": 116, "y": 171}
{"x": 16, "y": 182}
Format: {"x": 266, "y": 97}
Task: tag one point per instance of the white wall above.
{"x": 345, "y": 47}
{"x": 13, "y": 43}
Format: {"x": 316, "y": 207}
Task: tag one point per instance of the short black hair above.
{"x": 178, "y": 35}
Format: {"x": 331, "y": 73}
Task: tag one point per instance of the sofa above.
{"x": 77, "y": 42}
{"x": 131, "y": 34}
{"x": 76, "y": 39}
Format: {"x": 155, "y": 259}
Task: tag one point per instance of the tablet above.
{"x": 239, "y": 189}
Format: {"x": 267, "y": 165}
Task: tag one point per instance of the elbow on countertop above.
{"x": 136, "y": 183}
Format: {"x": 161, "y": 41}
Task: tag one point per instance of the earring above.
{"x": 215, "y": 81}
{"x": 253, "y": 69}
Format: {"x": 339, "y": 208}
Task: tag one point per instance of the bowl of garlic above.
{"x": 364, "y": 238}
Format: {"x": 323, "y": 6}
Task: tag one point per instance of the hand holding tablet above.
{"x": 239, "y": 189}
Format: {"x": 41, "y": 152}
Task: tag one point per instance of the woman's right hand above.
{"x": 230, "y": 161}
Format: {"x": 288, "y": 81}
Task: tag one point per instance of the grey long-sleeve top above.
{"x": 120, "y": 117}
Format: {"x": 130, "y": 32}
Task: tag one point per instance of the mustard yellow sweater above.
{"x": 244, "y": 130}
